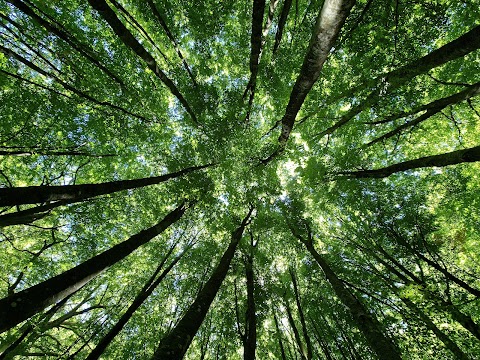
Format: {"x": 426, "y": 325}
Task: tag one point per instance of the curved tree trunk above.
{"x": 163, "y": 24}
{"x": 301, "y": 314}
{"x": 444, "y": 338}
{"x": 465, "y": 44}
{"x": 287, "y": 4}
{"x": 52, "y": 28}
{"x": 19, "y": 307}
{"x": 440, "y": 304}
{"x": 430, "y": 109}
{"x": 250, "y": 341}
{"x": 279, "y": 337}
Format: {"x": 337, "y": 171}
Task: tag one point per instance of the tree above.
{"x": 327, "y": 152}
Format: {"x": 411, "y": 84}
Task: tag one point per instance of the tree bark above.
{"x": 29, "y": 215}
{"x": 442, "y": 305}
{"x": 327, "y": 28}
{"x": 146, "y": 291}
{"x": 176, "y": 343}
{"x": 296, "y": 333}
{"x": 75, "y": 193}
{"x": 250, "y": 342}
{"x": 308, "y": 342}
{"x": 431, "y": 109}
{"x": 129, "y": 40}
{"x": 163, "y": 24}
{"x": 279, "y": 336}
{"x": 367, "y": 323}
{"x": 81, "y": 48}
{"x": 441, "y": 160}
{"x": 468, "y": 92}
{"x": 255, "y": 42}
{"x": 47, "y": 152}
{"x": 321, "y": 342}
{"x": 287, "y": 4}
{"x": 444, "y": 338}
{"x": 416, "y": 252}
{"x": 18, "y": 307}
{"x": 455, "y": 49}
{"x": 65, "y": 85}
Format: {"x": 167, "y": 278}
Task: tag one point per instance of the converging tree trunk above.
{"x": 279, "y": 337}
{"x": 146, "y": 291}
{"x": 281, "y": 24}
{"x": 20, "y": 306}
{"x": 308, "y": 342}
{"x": 418, "y": 252}
{"x": 130, "y": 41}
{"x": 444, "y": 338}
{"x": 465, "y": 44}
{"x": 451, "y": 158}
{"x": 430, "y": 109}
{"x": 256, "y": 43}
{"x": 75, "y": 193}
{"x": 176, "y": 343}
{"x": 296, "y": 333}
{"x": 327, "y": 28}
{"x": 82, "y": 48}
{"x": 440, "y": 304}
{"x": 366, "y": 322}
{"x": 250, "y": 336}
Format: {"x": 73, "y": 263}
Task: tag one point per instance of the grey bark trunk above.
{"x": 451, "y": 158}
{"x": 20, "y": 306}
{"x": 176, "y": 343}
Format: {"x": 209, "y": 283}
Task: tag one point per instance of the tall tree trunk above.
{"x": 296, "y": 333}
{"x": 327, "y": 28}
{"x": 279, "y": 336}
{"x": 75, "y": 193}
{"x": 163, "y": 24}
{"x": 430, "y": 109}
{"x": 442, "y": 305}
{"x": 367, "y": 323}
{"x": 82, "y": 94}
{"x": 250, "y": 342}
{"x": 444, "y": 338}
{"x": 30, "y": 215}
{"x": 302, "y": 316}
{"x": 49, "y": 152}
{"x": 416, "y": 252}
{"x": 176, "y": 343}
{"x": 9, "y": 350}
{"x": 26, "y": 303}
{"x": 256, "y": 43}
{"x": 146, "y": 291}
{"x": 441, "y": 160}
{"x": 465, "y": 44}
{"x": 287, "y": 4}
{"x": 129, "y": 40}
{"x": 83, "y": 49}
{"x": 321, "y": 342}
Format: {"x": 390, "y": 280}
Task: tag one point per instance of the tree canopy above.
{"x": 239, "y": 179}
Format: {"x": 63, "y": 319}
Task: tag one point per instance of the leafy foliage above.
{"x": 81, "y": 105}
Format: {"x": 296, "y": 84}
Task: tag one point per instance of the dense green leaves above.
{"x": 376, "y": 171}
